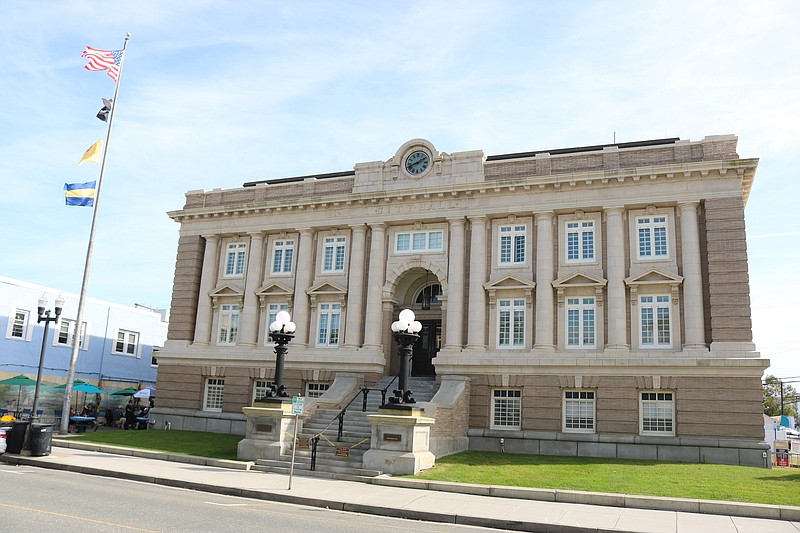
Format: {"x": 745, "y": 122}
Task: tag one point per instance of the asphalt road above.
{"x": 42, "y": 501}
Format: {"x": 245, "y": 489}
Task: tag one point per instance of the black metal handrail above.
{"x": 363, "y": 391}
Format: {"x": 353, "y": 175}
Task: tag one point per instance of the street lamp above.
{"x": 405, "y": 332}
{"x": 281, "y": 332}
{"x": 44, "y": 316}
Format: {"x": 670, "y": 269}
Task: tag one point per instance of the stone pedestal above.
{"x": 270, "y": 425}
{"x": 400, "y": 441}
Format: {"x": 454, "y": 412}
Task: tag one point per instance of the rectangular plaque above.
{"x": 341, "y": 451}
{"x": 264, "y": 428}
{"x": 302, "y": 443}
{"x": 392, "y": 437}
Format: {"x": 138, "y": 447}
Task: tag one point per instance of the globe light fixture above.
{"x": 405, "y": 331}
{"x": 44, "y": 316}
{"x": 281, "y": 331}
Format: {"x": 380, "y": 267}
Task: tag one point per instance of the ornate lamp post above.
{"x": 405, "y": 332}
{"x": 44, "y": 316}
{"x": 281, "y": 332}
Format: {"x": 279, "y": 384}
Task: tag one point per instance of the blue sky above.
{"x": 216, "y": 93}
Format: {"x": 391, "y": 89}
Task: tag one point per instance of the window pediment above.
{"x": 654, "y": 276}
{"x": 509, "y": 282}
{"x": 326, "y": 287}
{"x": 579, "y": 279}
{"x": 274, "y": 289}
{"x": 327, "y": 291}
{"x": 227, "y": 292}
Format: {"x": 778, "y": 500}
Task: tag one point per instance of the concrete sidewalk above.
{"x": 495, "y": 507}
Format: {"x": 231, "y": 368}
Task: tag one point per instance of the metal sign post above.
{"x": 298, "y": 404}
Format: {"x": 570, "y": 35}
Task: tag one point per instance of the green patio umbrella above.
{"x": 20, "y": 381}
{"x": 128, "y": 391}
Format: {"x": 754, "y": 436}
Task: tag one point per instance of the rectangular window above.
{"x": 213, "y": 396}
{"x": 228, "y": 324}
{"x": 315, "y": 389}
{"x": 506, "y": 409}
{"x": 579, "y": 411}
{"x": 66, "y": 334}
{"x": 333, "y": 254}
{"x": 328, "y": 332}
{"x": 580, "y": 241}
{"x": 580, "y": 323}
{"x": 18, "y": 328}
{"x": 657, "y": 412}
{"x": 512, "y": 245}
{"x": 655, "y": 316}
{"x": 127, "y": 342}
{"x": 260, "y": 388}
{"x": 234, "y": 262}
{"x": 652, "y": 237}
{"x": 511, "y": 324}
{"x": 282, "y": 254}
{"x": 419, "y": 241}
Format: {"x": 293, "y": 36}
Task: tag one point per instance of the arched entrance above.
{"x": 418, "y": 289}
{"x": 430, "y": 338}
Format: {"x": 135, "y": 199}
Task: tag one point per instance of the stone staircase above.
{"x": 342, "y": 458}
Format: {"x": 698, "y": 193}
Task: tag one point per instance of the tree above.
{"x": 772, "y": 397}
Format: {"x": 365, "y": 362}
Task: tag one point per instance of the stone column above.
{"x": 248, "y": 335}
{"x": 617, "y": 316}
{"x": 692, "y": 277}
{"x": 355, "y": 287}
{"x": 453, "y": 335}
{"x": 476, "y": 323}
{"x": 305, "y": 275}
{"x": 202, "y": 325}
{"x": 544, "y": 281}
{"x": 377, "y": 265}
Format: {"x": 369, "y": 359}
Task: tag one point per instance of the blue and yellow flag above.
{"x": 80, "y": 193}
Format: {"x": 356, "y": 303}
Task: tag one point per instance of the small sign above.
{"x": 782, "y": 459}
{"x": 303, "y": 443}
{"x": 794, "y": 446}
{"x": 298, "y": 404}
{"x": 781, "y": 444}
{"x": 392, "y": 437}
{"x": 341, "y": 451}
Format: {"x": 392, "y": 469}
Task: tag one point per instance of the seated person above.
{"x": 142, "y": 424}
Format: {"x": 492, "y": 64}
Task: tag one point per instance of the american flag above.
{"x": 103, "y": 60}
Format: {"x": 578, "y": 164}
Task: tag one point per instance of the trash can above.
{"x": 40, "y": 439}
{"x": 16, "y": 439}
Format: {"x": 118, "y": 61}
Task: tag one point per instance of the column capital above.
{"x": 546, "y": 215}
{"x": 688, "y": 206}
{"x": 210, "y": 238}
{"x": 377, "y": 226}
{"x": 478, "y": 218}
{"x": 457, "y": 221}
{"x": 614, "y": 210}
{"x": 358, "y": 228}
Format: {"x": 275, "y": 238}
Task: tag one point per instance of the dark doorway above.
{"x": 425, "y": 349}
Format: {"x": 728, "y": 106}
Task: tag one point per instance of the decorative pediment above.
{"x": 275, "y": 292}
{"x": 274, "y": 289}
{"x": 652, "y": 277}
{"x": 579, "y": 280}
{"x": 227, "y": 292}
{"x": 329, "y": 291}
{"x": 510, "y": 283}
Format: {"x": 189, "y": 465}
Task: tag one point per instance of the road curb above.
{"x": 712, "y": 507}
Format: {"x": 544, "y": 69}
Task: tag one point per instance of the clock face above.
{"x": 418, "y": 162}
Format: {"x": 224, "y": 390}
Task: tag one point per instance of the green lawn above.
{"x": 780, "y": 486}
{"x": 198, "y": 443}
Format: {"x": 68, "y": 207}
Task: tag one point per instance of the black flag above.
{"x": 103, "y": 113}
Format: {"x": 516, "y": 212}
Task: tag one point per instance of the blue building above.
{"x": 118, "y": 344}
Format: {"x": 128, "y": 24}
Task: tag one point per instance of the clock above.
{"x": 417, "y": 162}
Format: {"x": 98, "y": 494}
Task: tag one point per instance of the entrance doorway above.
{"x": 425, "y": 349}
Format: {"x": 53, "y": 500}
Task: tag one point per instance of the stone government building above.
{"x": 580, "y": 301}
